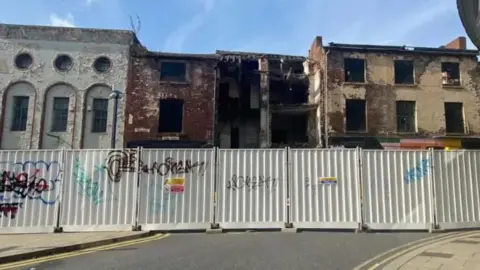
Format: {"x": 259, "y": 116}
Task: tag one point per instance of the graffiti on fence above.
{"x": 90, "y": 188}
{"x": 29, "y": 180}
{"x": 418, "y": 172}
{"x": 10, "y": 210}
{"x": 174, "y": 167}
{"x": 251, "y": 183}
{"x": 119, "y": 162}
{"x": 310, "y": 186}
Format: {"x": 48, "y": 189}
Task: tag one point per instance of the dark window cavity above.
{"x": 99, "y": 115}
{"x": 454, "y": 117}
{"x": 20, "y": 113}
{"x": 406, "y": 116}
{"x": 102, "y": 64}
{"x": 404, "y": 72}
{"x": 171, "y": 116}
{"x": 63, "y": 63}
{"x": 356, "y": 115}
{"x": 354, "y": 70}
{"x": 23, "y": 61}
{"x": 450, "y": 73}
{"x": 173, "y": 71}
{"x": 60, "y": 114}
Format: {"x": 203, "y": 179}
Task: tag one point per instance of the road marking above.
{"x": 81, "y": 252}
{"x": 398, "y": 251}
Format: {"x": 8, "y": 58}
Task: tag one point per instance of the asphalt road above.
{"x": 249, "y": 251}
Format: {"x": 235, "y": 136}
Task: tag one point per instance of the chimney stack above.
{"x": 460, "y": 43}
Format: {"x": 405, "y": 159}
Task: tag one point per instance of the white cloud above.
{"x": 176, "y": 39}
{"x": 67, "y": 21}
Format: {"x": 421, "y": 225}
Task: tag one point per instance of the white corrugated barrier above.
{"x": 198, "y": 189}
{"x": 30, "y": 190}
{"x": 457, "y": 189}
{"x": 325, "y": 189}
{"x": 100, "y": 190}
{"x": 252, "y": 188}
{"x": 176, "y": 189}
{"x": 397, "y": 190}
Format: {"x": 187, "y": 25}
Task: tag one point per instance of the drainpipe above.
{"x": 325, "y": 100}
{"x": 214, "y": 116}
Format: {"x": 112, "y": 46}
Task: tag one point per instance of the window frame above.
{"x": 395, "y": 68}
{"x": 174, "y": 79}
{"x": 413, "y": 115}
{"x": 19, "y": 114}
{"x": 365, "y": 117}
{"x": 443, "y": 70}
{"x": 95, "y": 113}
{"x": 60, "y": 121}
{"x": 160, "y": 129}
{"x": 462, "y": 115}
{"x": 345, "y": 75}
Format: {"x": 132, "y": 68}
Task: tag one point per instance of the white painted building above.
{"x": 55, "y": 85}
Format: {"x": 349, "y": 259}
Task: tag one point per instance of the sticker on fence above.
{"x": 328, "y": 180}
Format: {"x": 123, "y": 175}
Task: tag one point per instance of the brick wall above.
{"x": 146, "y": 90}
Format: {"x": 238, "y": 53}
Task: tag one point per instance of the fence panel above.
{"x": 397, "y": 190}
{"x": 325, "y": 189}
{"x": 176, "y": 189}
{"x": 100, "y": 191}
{"x": 457, "y": 189}
{"x": 252, "y": 188}
{"x": 30, "y": 190}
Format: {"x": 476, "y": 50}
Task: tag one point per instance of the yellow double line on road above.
{"x": 81, "y": 252}
{"x": 394, "y": 253}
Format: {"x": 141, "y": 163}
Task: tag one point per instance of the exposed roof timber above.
{"x": 293, "y": 108}
{"x": 253, "y": 56}
{"x": 179, "y": 55}
{"x": 401, "y": 49}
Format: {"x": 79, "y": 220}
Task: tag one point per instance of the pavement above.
{"x": 249, "y": 251}
{"x": 448, "y": 252}
{"x": 15, "y": 247}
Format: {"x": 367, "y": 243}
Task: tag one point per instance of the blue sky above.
{"x": 275, "y": 26}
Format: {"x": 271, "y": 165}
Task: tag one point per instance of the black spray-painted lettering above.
{"x": 119, "y": 162}
{"x": 251, "y": 183}
{"x": 10, "y": 209}
{"x": 23, "y": 185}
{"x": 172, "y": 167}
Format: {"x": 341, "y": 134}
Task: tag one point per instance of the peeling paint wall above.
{"x": 381, "y": 94}
{"x": 42, "y": 82}
{"x": 146, "y": 90}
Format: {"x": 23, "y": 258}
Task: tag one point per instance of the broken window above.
{"x": 173, "y": 71}
{"x": 171, "y": 116}
{"x": 354, "y": 70}
{"x": 454, "y": 117}
{"x": 356, "y": 115}
{"x": 406, "y": 116}
{"x": 20, "y": 113}
{"x": 404, "y": 72}
{"x": 450, "y": 73}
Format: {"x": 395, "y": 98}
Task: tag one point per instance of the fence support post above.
{"x": 288, "y": 168}
{"x": 58, "y": 205}
{"x": 431, "y": 192}
{"x": 136, "y": 226}
{"x": 214, "y": 224}
{"x": 360, "y": 210}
